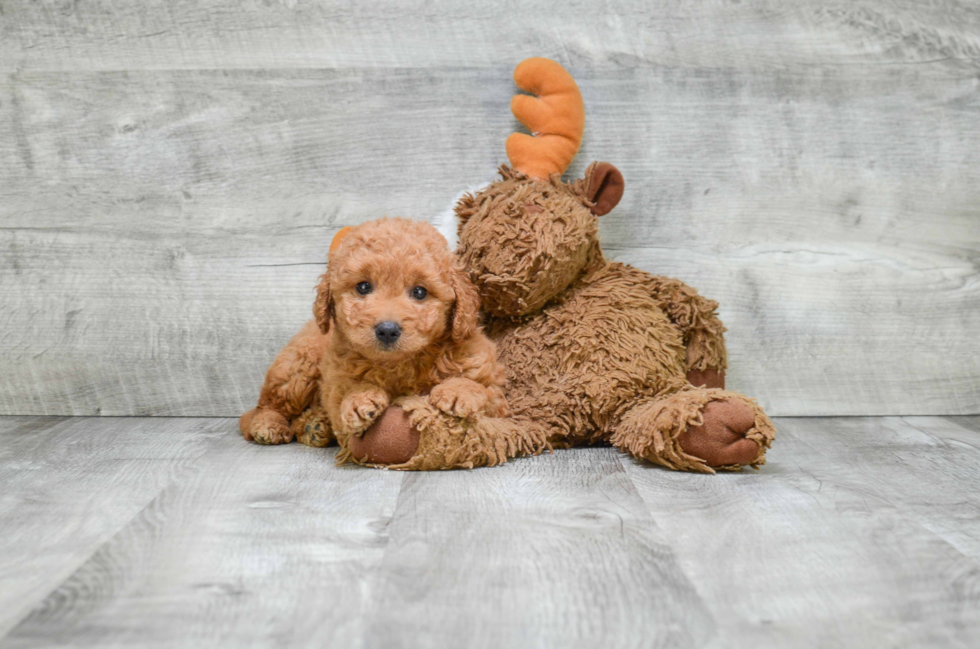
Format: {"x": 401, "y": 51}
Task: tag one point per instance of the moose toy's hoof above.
{"x": 720, "y": 440}
{"x": 391, "y": 439}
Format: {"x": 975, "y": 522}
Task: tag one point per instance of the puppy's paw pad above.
{"x": 314, "y": 433}
{"x": 314, "y": 428}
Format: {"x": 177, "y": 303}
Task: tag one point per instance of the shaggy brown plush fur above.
{"x": 595, "y": 351}
{"x": 337, "y": 375}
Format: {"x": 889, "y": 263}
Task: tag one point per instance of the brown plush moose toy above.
{"x": 595, "y": 351}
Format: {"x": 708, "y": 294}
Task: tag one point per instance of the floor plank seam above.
{"x": 174, "y": 480}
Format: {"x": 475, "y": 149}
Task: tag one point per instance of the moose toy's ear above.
{"x": 603, "y": 187}
{"x": 465, "y": 207}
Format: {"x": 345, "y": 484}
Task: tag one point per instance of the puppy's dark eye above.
{"x": 363, "y": 288}
{"x": 419, "y": 293}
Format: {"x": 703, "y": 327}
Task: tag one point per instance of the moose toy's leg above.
{"x": 412, "y": 434}
{"x": 696, "y": 429}
{"x": 703, "y": 332}
{"x": 706, "y": 376}
{"x": 290, "y": 385}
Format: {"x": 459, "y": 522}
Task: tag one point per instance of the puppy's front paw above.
{"x": 360, "y": 408}
{"x": 459, "y": 397}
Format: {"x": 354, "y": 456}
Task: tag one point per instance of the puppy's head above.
{"x": 393, "y": 288}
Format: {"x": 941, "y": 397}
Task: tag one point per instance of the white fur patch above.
{"x": 445, "y": 221}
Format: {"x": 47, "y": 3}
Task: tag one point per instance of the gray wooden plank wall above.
{"x": 171, "y": 174}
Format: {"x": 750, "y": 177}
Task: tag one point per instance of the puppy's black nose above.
{"x": 387, "y": 332}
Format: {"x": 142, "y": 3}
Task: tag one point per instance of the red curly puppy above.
{"x": 395, "y": 315}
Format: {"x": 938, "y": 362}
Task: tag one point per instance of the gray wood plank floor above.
{"x": 174, "y": 532}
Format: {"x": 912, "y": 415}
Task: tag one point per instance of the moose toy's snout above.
{"x": 391, "y": 439}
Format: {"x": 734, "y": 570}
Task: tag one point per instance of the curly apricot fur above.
{"x": 335, "y": 370}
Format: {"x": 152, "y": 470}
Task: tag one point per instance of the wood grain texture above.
{"x": 256, "y": 546}
{"x": 70, "y": 484}
{"x": 858, "y": 532}
{"x": 970, "y": 422}
{"x": 224, "y": 34}
{"x": 548, "y": 551}
{"x": 173, "y": 174}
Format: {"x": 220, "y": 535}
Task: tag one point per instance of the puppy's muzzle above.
{"x": 387, "y": 333}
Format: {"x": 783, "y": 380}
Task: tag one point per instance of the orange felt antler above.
{"x": 556, "y": 119}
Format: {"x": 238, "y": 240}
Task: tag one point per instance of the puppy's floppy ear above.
{"x": 604, "y": 186}
{"x": 323, "y": 306}
{"x": 466, "y": 311}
